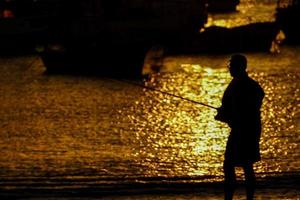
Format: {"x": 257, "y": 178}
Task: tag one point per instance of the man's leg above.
{"x": 230, "y": 179}
{"x": 250, "y": 180}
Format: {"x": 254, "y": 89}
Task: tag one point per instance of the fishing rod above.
{"x": 163, "y": 92}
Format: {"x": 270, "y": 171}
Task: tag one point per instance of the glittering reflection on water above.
{"x": 178, "y": 138}
{"x": 280, "y": 121}
{"x": 58, "y": 129}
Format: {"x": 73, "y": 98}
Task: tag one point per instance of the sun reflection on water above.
{"x": 184, "y": 139}
{"x": 177, "y": 131}
{"x": 107, "y": 131}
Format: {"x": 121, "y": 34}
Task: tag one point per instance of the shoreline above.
{"x": 278, "y": 187}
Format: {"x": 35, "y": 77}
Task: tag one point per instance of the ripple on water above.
{"x": 75, "y": 128}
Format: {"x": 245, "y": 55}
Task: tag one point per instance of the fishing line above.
{"x": 163, "y": 92}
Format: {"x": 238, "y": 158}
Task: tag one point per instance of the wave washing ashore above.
{"x": 286, "y": 187}
{"x": 66, "y": 137}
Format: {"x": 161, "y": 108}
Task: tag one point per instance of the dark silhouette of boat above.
{"x": 222, "y": 5}
{"x": 112, "y": 37}
{"x": 215, "y": 39}
{"x": 287, "y": 17}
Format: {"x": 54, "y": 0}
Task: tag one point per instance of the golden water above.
{"x": 79, "y": 129}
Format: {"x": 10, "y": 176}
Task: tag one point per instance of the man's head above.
{"x": 237, "y": 65}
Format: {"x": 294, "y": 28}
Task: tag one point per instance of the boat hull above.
{"x": 247, "y": 38}
{"x": 105, "y": 36}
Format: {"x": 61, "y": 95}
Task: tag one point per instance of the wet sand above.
{"x": 283, "y": 188}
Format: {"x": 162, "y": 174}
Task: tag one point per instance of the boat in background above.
{"x": 112, "y": 37}
{"x": 96, "y": 35}
{"x": 252, "y": 37}
{"x": 287, "y": 17}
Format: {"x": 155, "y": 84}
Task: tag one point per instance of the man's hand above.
{"x": 221, "y": 115}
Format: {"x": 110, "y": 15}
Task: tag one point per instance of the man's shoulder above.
{"x": 253, "y": 82}
{"x": 256, "y": 86}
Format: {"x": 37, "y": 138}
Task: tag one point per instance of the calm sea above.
{"x": 72, "y": 131}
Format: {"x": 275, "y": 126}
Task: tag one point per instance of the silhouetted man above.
{"x": 240, "y": 109}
